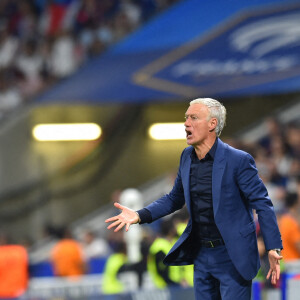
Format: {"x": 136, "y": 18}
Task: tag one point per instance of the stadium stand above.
{"x": 43, "y": 43}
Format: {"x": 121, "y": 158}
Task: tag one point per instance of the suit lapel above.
{"x": 185, "y": 176}
{"x": 217, "y": 174}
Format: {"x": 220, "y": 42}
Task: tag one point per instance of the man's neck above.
{"x": 203, "y": 148}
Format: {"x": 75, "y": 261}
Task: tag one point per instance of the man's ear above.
{"x": 213, "y": 124}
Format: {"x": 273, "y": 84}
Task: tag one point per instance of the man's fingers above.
{"x": 122, "y": 224}
{"x": 269, "y": 274}
{"x": 127, "y": 226}
{"x": 278, "y": 272}
{"x": 118, "y": 205}
{"x": 120, "y": 220}
{"x": 111, "y": 219}
{"x": 114, "y": 224}
{"x": 274, "y": 275}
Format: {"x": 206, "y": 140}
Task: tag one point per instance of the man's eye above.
{"x": 192, "y": 117}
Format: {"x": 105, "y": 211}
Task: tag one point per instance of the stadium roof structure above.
{"x": 216, "y": 48}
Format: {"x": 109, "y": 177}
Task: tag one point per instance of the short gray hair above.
{"x": 216, "y": 110}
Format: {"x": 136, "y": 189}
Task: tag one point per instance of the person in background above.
{"x": 161, "y": 274}
{"x": 95, "y": 251}
{"x": 113, "y": 267}
{"x": 14, "y": 275}
{"x": 94, "y": 246}
{"x": 67, "y": 256}
{"x": 290, "y": 228}
{"x": 220, "y": 187}
{"x": 186, "y": 272}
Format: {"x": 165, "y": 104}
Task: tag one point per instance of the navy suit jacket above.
{"x": 237, "y": 190}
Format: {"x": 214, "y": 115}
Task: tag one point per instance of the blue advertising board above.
{"x": 216, "y": 48}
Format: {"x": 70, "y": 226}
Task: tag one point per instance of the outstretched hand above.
{"x": 274, "y": 271}
{"x": 126, "y": 217}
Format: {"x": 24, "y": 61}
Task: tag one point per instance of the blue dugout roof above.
{"x": 198, "y": 48}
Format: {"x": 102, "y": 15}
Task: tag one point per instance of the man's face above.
{"x": 197, "y": 125}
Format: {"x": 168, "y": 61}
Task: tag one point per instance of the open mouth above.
{"x": 188, "y": 133}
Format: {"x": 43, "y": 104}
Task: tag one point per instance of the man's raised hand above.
{"x": 126, "y": 217}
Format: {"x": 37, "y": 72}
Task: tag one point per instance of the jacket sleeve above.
{"x": 256, "y": 195}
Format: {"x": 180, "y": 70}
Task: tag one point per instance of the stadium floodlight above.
{"x": 67, "y": 132}
{"x": 167, "y": 131}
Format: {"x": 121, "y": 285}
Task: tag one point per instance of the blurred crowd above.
{"x": 43, "y": 41}
{"x": 277, "y": 157}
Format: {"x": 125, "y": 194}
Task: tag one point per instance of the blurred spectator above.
{"x": 180, "y": 220}
{"x": 121, "y": 25}
{"x": 274, "y": 130}
{"x": 133, "y": 12}
{"x": 293, "y": 139}
{"x": 93, "y": 246}
{"x": 29, "y": 64}
{"x": 89, "y": 14}
{"x": 290, "y": 228}
{"x": 281, "y": 156}
{"x": 23, "y": 21}
{"x": 117, "y": 263}
{"x": 141, "y": 266}
{"x": 52, "y": 18}
{"x": 186, "y": 272}
{"x": 111, "y": 284}
{"x": 266, "y": 171}
{"x": 13, "y": 269}
{"x": 64, "y": 60}
{"x": 105, "y": 33}
{"x": 67, "y": 256}
{"x": 8, "y": 47}
{"x": 161, "y": 274}
{"x": 10, "y": 97}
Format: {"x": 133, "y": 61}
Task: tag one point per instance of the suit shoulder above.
{"x": 238, "y": 153}
{"x": 188, "y": 150}
{"x": 186, "y": 153}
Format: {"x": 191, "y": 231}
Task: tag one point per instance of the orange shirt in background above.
{"x": 67, "y": 258}
{"x": 13, "y": 271}
{"x": 290, "y": 234}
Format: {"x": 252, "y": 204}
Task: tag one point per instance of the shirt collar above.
{"x": 210, "y": 154}
{"x": 213, "y": 149}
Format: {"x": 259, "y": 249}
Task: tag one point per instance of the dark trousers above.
{"x": 215, "y": 276}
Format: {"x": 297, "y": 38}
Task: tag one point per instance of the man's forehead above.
{"x": 196, "y": 109}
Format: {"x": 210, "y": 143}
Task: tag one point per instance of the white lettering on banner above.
{"x": 265, "y": 36}
{"x": 214, "y": 67}
{"x": 257, "y": 42}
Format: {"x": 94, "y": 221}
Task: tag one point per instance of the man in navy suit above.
{"x": 221, "y": 188}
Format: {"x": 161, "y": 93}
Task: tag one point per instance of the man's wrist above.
{"x": 139, "y": 220}
{"x": 277, "y": 250}
{"x": 145, "y": 215}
